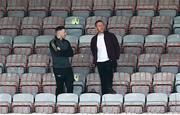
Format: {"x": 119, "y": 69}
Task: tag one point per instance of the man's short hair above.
{"x": 59, "y": 28}
{"x": 98, "y": 22}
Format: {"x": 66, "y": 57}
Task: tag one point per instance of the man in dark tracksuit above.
{"x": 61, "y": 50}
{"x": 105, "y": 49}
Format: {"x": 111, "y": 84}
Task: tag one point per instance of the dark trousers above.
{"x": 64, "y": 75}
{"x": 105, "y": 70}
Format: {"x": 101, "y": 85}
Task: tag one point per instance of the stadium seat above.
{"x": 176, "y": 26}
{"x": 173, "y": 104}
{"x": 30, "y": 83}
{"x": 127, "y": 63}
{"x": 141, "y": 82}
{"x": 84, "y": 44}
{"x": 5, "y": 103}
{"x": 5, "y": 45}
{"x": 45, "y": 103}
{"x": 49, "y": 83}
{"x": 170, "y": 63}
{"x": 177, "y": 83}
{"x": 31, "y": 26}
{"x": 148, "y": 63}
{"x": 67, "y": 103}
{"x": 9, "y": 83}
{"x": 121, "y": 82}
{"x": 42, "y": 44}
{"x": 90, "y": 24}
{"x": 112, "y": 103}
{"x": 82, "y": 8}
{"x": 125, "y": 7}
{"x": 173, "y": 42}
{"x": 89, "y": 103}
{"x": 75, "y": 25}
{"x": 162, "y": 25}
{"x": 74, "y": 41}
{"x": 22, "y": 103}
{"x": 16, "y": 64}
{"x": 168, "y": 7}
{"x": 3, "y": 5}
{"x": 134, "y": 103}
{"x": 10, "y": 26}
{"x": 93, "y": 83}
{"x": 38, "y": 8}
{"x": 103, "y": 7}
{"x": 17, "y": 8}
{"x": 23, "y": 45}
{"x": 38, "y": 63}
{"x": 156, "y": 103}
{"x": 140, "y": 25}
{"x": 2, "y": 63}
{"x": 60, "y": 8}
{"x": 146, "y": 7}
{"x": 133, "y": 44}
{"x": 118, "y": 25}
{"x": 155, "y": 44}
{"x": 163, "y": 82}
{"x": 50, "y": 23}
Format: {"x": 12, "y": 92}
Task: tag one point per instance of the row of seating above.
{"x": 63, "y": 8}
{"x": 90, "y": 103}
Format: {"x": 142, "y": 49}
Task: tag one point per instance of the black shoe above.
{"x": 111, "y": 91}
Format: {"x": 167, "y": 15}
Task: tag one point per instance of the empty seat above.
{"x": 49, "y": 83}
{"x": 38, "y": 63}
{"x": 42, "y": 44}
{"x": 125, "y": 7}
{"x": 118, "y": 25}
{"x": 112, "y": 103}
{"x": 23, "y": 45}
{"x": 141, "y": 82}
{"x": 176, "y": 26}
{"x": 127, "y": 63}
{"x": 140, "y": 25}
{"x": 82, "y": 8}
{"x": 45, "y": 103}
{"x": 93, "y": 83}
{"x": 10, "y": 26}
{"x": 170, "y": 63}
{"x": 30, "y": 83}
{"x": 163, "y": 82}
{"x": 103, "y": 7}
{"x": 134, "y": 103}
{"x": 84, "y": 44}
{"x": 31, "y": 26}
{"x": 17, "y": 8}
{"x": 173, "y": 44}
{"x": 5, "y": 45}
{"x": 155, "y": 44}
{"x": 89, "y": 103}
{"x": 60, "y": 8}
{"x": 3, "y": 5}
{"x": 133, "y": 44}
{"x": 90, "y": 24}
{"x": 74, "y": 41}
{"x": 67, "y": 103}
{"x": 38, "y": 8}
{"x": 148, "y": 63}
{"x": 9, "y": 83}
{"x": 2, "y": 63}
{"x": 75, "y": 25}
{"x": 156, "y": 103}
{"x": 5, "y": 103}
{"x": 22, "y": 103}
{"x": 168, "y": 7}
{"x": 50, "y": 23}
{"x": 146, "y": 7}
{"x": 121, "y": 82}
{"x": 161, "y": 25}
{"x": 16, "y": 63}
{"x": 174, "y": 102}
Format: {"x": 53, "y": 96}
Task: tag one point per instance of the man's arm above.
{"x": 116, "y": 46}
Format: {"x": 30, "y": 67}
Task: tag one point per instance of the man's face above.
{"x": 61, "y": 33}
{"x": 100, "y": 27}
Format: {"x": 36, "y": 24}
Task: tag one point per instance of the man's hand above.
{"x": 92, "y": 65}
